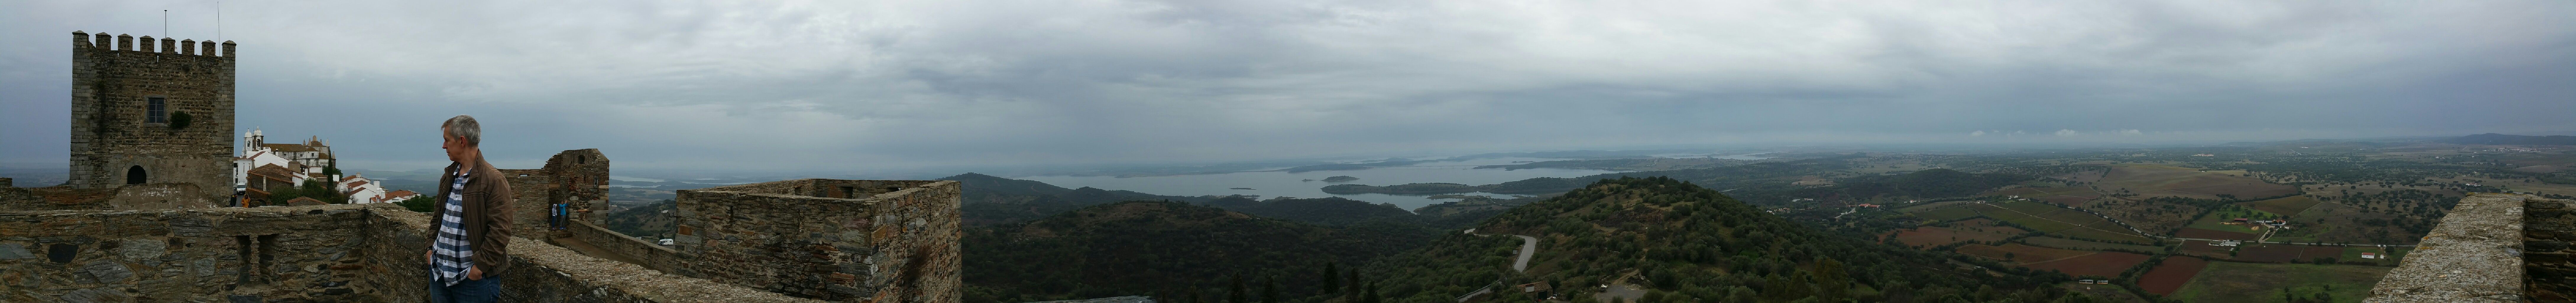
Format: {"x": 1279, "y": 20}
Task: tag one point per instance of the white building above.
{"x": 359, "y": 189}
{"x": 308, "y": 158}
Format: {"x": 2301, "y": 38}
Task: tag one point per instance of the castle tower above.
{"x": 145, "y": 114}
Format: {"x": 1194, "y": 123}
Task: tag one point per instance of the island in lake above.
{"x": 1243, "y": 188}
{"x": 1341, "y": 179}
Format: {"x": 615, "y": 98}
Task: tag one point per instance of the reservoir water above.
{"x": 1271, "y": 184}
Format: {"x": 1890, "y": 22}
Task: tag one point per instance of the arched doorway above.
{"x": 134, "y": 175}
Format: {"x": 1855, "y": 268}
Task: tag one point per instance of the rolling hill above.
{"x": 1676, "y": 241}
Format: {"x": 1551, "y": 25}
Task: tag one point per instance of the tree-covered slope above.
{"x": 991, "y": 200}
{"x": 1163, "y": 248}
{"x": 1683, "y": 242}
{"x": 1326, "y": 211}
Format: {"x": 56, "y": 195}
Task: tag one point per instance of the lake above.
{"x": 1278, "y": 184}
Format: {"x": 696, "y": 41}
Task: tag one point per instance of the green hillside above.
{"x": 1680, "y": 242}
{"x": 1164, "y": 248}
{"x": 992, "y": 200}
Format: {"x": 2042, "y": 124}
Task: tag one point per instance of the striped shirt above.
{"x": 454, "y": 254}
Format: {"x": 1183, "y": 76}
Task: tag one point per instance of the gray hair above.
{"x": 463, "y": 126}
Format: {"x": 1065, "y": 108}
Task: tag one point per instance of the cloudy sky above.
{"x": 894, "y": 84}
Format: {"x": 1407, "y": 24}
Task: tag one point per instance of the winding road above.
{"x": 1529, "y": 245}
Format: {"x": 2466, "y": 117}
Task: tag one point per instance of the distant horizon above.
{"x": 538, "y": 160}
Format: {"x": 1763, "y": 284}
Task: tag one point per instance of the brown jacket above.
{"x": 487, "y": 214}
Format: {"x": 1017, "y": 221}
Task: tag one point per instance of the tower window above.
{"x": 157, "y": 111}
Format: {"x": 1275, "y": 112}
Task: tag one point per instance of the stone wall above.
{"x": 127, "y": 197}
{"x": 2479, "y": 252}
{"x": 839, "y": 240}
{"x": 2547, "y": 227}
{"x": 112, "y": 79}
{"x": 645, "y": 253}
{"x": 323, "y": 253}
{"x": 545, "y": 273}
{"x": 269, "y": 254}
{"x": 530, "y": 190}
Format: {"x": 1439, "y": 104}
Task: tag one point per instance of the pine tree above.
{"x": 1332, "y": 278}
{"x": 1351, "y": 279}
{"x": 1235, "y": 292}
{"x": 1270, "y": 290}
{"x": 1372, "y": 294}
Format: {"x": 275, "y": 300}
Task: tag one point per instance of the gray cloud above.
{"x": 870, "y": 85}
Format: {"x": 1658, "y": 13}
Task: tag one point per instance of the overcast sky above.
{"x": 894, "y": 84}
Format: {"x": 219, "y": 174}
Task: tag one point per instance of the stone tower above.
{"x": 160, "y": 111}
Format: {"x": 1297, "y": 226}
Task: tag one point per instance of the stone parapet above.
{"x": 650, "y": 255}
{"x": 2548, "y": 225}
{"x": 877, "y": 241}
{"x": 322, "y": 253}
{"x": 2477, "y": 254}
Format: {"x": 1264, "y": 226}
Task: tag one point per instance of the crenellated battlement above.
{"x": 166, "y": 45}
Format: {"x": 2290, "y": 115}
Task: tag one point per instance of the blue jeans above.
{"x": 469, "y": 291}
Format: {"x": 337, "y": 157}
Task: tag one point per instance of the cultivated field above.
{"x": 1982, "y": 230}
{"x": 2087, "y": 245}
{"x": 2017, "y": 253}
{"x": 2225, "y": 220}
{"x": 2039, "y": 217}
{"x": 2160, "y": 180}
{"x": 2260, "y": 282}
{"x": 2070, "y": 196}
{"x": 2196, "y": 233}
{"x": 2337, "y": 223}
{"x": 2203, "y": 249}
{"x": 2290, "y": 205}
{"x": 2171, "y": 274}
{"x": 2286, "y": 253}
{"x": 2100, "y": 264}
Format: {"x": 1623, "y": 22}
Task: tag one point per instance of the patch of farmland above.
{"x": 1930, "y": 206}
{"x": 1929, "y": 236}
{"x": 2105, "y": 231}
{"x": 2339, "y": 223}
{"x": 2159, "y": 180}
{"x": 2018, "y": 253}
{"x": 2171, "y": 274}
{"x": 2087, "y": 245}
{"x": 2224, "y": 219}
{"x": 2213, "y": 234}
{"x": 2203, "y": 249}
{"x": 2027, "y": 207}
{"x": 2290, "y": 205}
{"x": 2261, "y": 282}
{"x": 1948, "y": 213}
{"x": 2149, "y": 216}
{"x": 2286, "y": 253}
{"x": 2101, "y": 264}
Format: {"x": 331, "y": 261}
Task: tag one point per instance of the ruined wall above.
{"x": 530, "y": 191}
{"x": 112, "y": 79}
{"x": 203, "y": 255}
{"x": 323, "y": 253}
{"x": 2474, "y": 255}
{"x": 2547, "y": 228}
{"x": 578, "y": 177}
{"x": 646, "y": 253}
{"x": 839, "y": 240}
{"x": 123, "y": 197}
{"x": 583, "y": 176}
{"x": 545, "y": 273}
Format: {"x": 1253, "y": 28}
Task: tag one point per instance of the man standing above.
{"x": 473, "y": 220}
